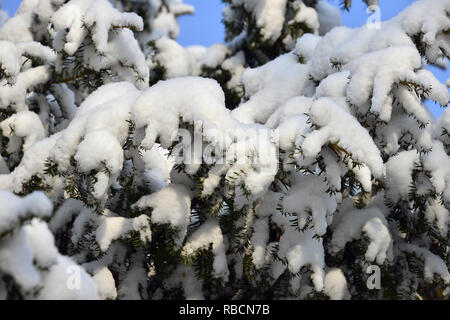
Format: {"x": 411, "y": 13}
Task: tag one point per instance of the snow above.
{"x": 192, "y": 286}
{"x": 193, "y": 98}
{"x": 441, "y": 126}
{"x": 438, "y": 90}
{"x": 120, "y": 52}
{"x": 399, "y": 174}
{"x": 113, "y": 228}
{"x": 380, "y": 246}
{"x": 307, "y": 16}
{"x": 297, "y": 248}
{"x": 333, "y": 171}
{"x": 348, "y": 226}
{"x": 15, "y": 209}
{"x": 336, "y": 125}
{"x": 209, "y": 233}
{"x": 436, "y": 212}
{"x": 366, "y": 74}
{"x": 15, "y": 95}
{"x": 213, "y": 179}
{"x": 81, "y": 221}
{"x": 201, "y": 101}
{"x": 235, "y": 65}
{"x": 163, "y": 21}
{"x": 104, "y": 281}
{"x": 394, "y": 32}
{"x": 3, "y": 167}
{"x": 177, "y": 61}
{"x": 181, "y": 61}
{"x": 412, "y": 104}
{"x": 301, "y": 249}
{"x": 437, "y": 162}
{"x": 100, "y": 17}
{"x": 270, "y": 85}
{"x": 127, "y": 64}
{"x": 343, "y": 104}
{"x": 100, "y": 12}
{"x": 393, "y": 134}
{"x": 66, "y": 100}
{"x": 306, "y": 45}
{"x": 177, "y": 214}
{"x": 269, "y": 15}
{"x": 135, "y": 280}
{"x": 158, "y": 165}
{"x": 28, "y": 252}
{"x": 41, "y": 241}
{"x": 9, "y": 59}
{"x": 335, "y": 285}
{"x": 36, "y": 50}
{"x": 320, "y": 65}
{"x": 101, "y": 116}
{"x": 111, "y": 153}
{"x": 433, "y": 264}
{"x": 214, "y": 55}
{"x": 308, "y": 194}
{"x": 259, "y": 240}
{"x": 291, "y": 122}
{"x": 17, "y": 28}
{"x": 33, "y": 163}
{"x": 58, "y": 274}
{"x": 24, "y": 124}
{"x": 329, "y": 16}
{"x": 64, "y": 213}
{"x": 17, "y": 253}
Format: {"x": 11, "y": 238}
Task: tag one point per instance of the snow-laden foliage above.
{"x": 280, "y": 164}
{"x": 29, "y": 257}
{"x": 159, "y": 17}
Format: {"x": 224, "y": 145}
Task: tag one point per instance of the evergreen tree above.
{"x": 256, "y": 32}
{"x": 286, "y": 163}
{"x": 159, "y": 17}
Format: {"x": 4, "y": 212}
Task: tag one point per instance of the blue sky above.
{"x": 205, "y": 26}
